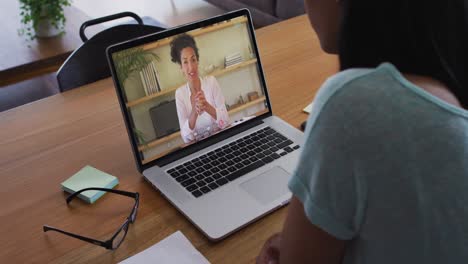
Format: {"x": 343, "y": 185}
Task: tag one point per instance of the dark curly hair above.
{"x": 429, "y": 39}
{"x": 181, "y": 42}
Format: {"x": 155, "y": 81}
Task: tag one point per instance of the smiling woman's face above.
{"x": 189, "y": 63}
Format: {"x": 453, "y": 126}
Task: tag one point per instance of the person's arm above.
{"x": 301, "y": 242}
{"x": 222, "y": 116}
{"x": 211, "y": 111}
{"x": 192, "y": 120}
{"x": 184, "y": 117}
{"x": 203, "y": 104}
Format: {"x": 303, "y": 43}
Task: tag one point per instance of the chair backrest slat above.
{"x": 88, "y": 63}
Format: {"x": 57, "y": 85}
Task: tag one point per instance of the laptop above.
{"x": 228, "y": 162}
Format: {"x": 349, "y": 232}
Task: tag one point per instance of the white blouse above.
{"x": 205, "y": 125}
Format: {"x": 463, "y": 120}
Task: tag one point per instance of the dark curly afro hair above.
{"x": 181, "y": 42}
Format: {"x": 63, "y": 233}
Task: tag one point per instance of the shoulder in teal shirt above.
{"x": 385, "y": 166}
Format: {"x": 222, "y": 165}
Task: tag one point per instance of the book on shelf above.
{"x": 143, "y": 81}
{"x": 157, "y": 76}
{"x": 233, "y": 59}
{"x": 233, "y": 56}
{"x": 150, "y": 79}
{"x": 154, "y": 85}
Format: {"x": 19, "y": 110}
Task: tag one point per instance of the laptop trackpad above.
{"x": 268, "y": 186}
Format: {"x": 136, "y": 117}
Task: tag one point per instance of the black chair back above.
{"x": 88, "y": 63}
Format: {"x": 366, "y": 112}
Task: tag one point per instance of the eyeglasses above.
{"x": 115, "y": 241}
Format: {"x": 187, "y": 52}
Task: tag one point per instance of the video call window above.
{"x": 187, "y": 87}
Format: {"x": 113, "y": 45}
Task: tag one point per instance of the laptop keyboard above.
{"x": 231, "y": 161}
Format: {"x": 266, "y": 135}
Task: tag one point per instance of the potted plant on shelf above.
{"x": 132, "y": 60}
{"x": 141, "y": 137}
{"x": 43, "y": 18}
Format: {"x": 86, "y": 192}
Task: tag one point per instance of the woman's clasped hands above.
{"x": 199, "y": 102}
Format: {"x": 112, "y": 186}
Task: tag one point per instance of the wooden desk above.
{"x": 20, "y": 58}
{"x": 43, "y": 143}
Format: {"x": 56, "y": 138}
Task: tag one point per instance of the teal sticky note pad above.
{"x": 89, "y": 177}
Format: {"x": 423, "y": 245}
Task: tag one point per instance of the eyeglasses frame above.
{"x": 106, "y": 244}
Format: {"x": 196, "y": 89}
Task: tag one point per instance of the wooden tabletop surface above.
{"x": 21, "y": 58}
{"x": 45, "y": 142}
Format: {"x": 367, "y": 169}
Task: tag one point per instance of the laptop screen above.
{"x": 187, "y": 86}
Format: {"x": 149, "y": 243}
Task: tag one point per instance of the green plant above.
{"x": 130, "y": 60}
{"x": 34, "y": 11}
{"x": 141, "y": 137}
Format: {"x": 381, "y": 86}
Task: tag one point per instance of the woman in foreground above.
{"x": 383, "y": 176}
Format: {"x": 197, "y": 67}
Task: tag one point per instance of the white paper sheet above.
{"x": 308, "y": 108}
{"x": 174, "y": 249}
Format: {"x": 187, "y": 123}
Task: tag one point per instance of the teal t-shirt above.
{"x": 385, "y": 166}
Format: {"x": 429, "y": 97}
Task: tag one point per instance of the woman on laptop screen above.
{"x": 200, "y": 103}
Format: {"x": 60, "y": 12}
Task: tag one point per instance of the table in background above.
{"x": 45, "y": 142}
{"x": 168, "y": 12}
{"x": 21, "y": 58}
